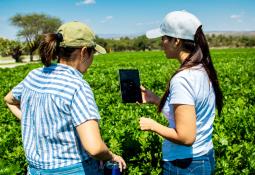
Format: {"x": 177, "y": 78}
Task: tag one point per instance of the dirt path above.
{"x": 10, "y": 63}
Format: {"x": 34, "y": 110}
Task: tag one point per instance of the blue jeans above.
{"x": 87, "y": 167}
{"x": 203, "y": 165}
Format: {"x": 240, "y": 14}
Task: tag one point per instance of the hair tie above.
{"x": 59, "y": 37}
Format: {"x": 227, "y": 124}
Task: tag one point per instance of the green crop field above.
{"x": 234, "y": 131}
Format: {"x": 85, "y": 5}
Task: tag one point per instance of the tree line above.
{"x": 32, "y": 26}
{"x": 141, "y": 43}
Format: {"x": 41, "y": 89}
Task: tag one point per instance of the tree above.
{"x": 16, "y": 53}
{"x": 11, "y": 48}
{"x": 103, "y": 43}
{"x": 141, "y": 43}
{"x": 32, "y": 26}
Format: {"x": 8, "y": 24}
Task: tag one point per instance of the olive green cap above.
{"x": 77, "y": 34}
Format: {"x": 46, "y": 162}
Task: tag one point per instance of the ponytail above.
{"x": 49, "y": 47}
{"x": 200, "y": 39}
{"x": 199, "y": 54}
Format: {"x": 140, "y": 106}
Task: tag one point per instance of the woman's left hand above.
{"x": 147, "y": 124}
{"x": 120, "y": 160}
{"x": 149, "y": 97}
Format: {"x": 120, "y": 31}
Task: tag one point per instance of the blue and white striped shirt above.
{"x": 54, "y": 100}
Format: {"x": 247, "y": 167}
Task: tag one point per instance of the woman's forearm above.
{"x": 102, "y": 153}
{"x": 172, "y": 134}
{"x": 13, "y": 104}
{"x": 15, "y": 109}
{"x": 92, "y": 142}
{"x": 167, "y": 133}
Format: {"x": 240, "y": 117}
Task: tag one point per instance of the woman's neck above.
{"x": 183, "y": 56}
{"x": 69, "y": 63}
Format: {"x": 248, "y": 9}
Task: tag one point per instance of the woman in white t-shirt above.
{"x": 190, "y": 99}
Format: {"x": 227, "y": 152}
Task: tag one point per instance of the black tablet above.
{"x": 130, "y": 85}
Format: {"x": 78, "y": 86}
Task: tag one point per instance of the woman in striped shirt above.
{"x": 56, "y": 106}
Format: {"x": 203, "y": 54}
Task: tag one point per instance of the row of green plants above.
{"x": 234, "y": 131}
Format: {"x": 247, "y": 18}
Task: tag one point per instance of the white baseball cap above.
{"x": 177, "y": 24}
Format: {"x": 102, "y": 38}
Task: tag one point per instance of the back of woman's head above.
{"x": 48, "y": 48}
{"x": 69, "y": 39}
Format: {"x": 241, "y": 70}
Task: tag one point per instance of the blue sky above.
{"x": 132, "y": 16}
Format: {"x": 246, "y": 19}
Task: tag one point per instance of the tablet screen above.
{"x": 130, "y": 86}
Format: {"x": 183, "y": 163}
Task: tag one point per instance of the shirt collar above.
{"x": 66, "y": 68}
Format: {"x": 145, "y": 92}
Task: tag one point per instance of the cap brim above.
{"x": 100, "y": 49}
{"x": 154, "y": 33}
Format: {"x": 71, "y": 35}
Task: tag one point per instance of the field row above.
{"x": 234, "y": 131}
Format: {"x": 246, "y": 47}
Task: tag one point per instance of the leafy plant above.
{"x": 234, "y": 131}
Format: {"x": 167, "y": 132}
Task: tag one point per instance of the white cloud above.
{"x": 106, "y": 19}
{"x": 237, "y": 17}
{"x": 85, "y": 2}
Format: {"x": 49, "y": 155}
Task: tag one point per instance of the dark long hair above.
{"x": 49, "y": 49}
{"x": 199, "y": 54}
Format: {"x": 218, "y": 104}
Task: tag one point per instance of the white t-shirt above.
{"x": 192, "y": 87}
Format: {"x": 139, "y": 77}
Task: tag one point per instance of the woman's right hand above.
{"x": 120, "y": 160}
{"x": 149, "y": 97}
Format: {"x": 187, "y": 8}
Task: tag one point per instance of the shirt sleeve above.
{"x": 83, "y": 106}
{"x": 181, "y": 91}
{"x": 17, "y": 91}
